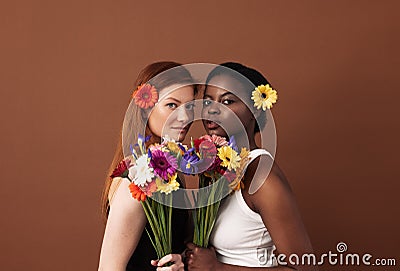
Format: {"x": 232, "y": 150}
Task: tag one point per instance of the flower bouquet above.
{"x": 152, "y": 172}
{"x": 225, "y": 168}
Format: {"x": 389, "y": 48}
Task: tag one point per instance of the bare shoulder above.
{"x": 122, "y": 199}
{"x": 265, "y": 170}
{"x": 275, "y": 179}
{"x": 267, "y": 183}
{"x": 275, "y": 202}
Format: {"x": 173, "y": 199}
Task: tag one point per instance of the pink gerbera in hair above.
{"x": 145, "y": 96}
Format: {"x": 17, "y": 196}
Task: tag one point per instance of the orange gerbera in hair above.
{"x": 136, "y": 192}
{"x": 145, "y": 96}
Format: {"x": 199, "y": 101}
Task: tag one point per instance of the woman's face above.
{"x": 220, "y": 107}
{"x": 173, "y": 114}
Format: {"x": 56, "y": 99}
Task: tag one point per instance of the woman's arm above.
{"x": 204, "y": 259}
{"x": 275, "y": 203}
{"x": 125, "y": 224}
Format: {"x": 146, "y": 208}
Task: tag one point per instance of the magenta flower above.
{"x": 163, "y": 164}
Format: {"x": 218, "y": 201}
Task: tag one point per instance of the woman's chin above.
{"x": 177, "y": 136}
{"x": 216, "y": 132}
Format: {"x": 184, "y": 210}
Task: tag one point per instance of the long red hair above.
{"x": 136, "y": 121}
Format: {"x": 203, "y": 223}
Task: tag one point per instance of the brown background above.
{"x": 67, "y": 69}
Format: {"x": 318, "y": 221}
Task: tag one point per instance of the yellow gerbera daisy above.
{"x": 229, "y": 157}
{"x": 172, "y": 147}
{"x": 167, "y": 187}
{"x": 264, "y": 96}
{"x": 237, "y": 183}
{"x": 244, "y": 153}
{"x": 244, "y": 159}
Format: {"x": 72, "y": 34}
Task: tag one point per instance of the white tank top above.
{"x": 239, "y": 235}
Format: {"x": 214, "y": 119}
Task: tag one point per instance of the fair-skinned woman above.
{"x": 250, "y": 225}
{"x": 126, "y": 245}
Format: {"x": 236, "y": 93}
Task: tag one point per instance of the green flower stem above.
{"x": 156, "y": 242}
{"x": 204, "y": 217}
{"x": 160, "y": 219}
{"x": 170, "y": 224}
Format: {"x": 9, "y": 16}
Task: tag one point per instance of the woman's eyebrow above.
{"x": 226, "y": 94}
{"x": 223, "y": 95}
{"x": 172, "y": 98}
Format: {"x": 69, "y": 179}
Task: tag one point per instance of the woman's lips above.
{"x": 181, "y": 129}
{"x": 212, "y": 125}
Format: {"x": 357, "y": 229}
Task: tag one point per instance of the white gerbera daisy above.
{"x": 142, "y": 172}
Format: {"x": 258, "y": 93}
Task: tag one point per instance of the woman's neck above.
{"x": 245, "y": 141}
{"x": 153, "y": 140}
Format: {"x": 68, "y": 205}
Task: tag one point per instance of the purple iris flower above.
{"x": 190, "y": 161}
{"x": 232, "y": 143}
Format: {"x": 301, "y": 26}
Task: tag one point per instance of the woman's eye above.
{"x": 207, "y": 102}
{"x": 189, "y": 106}
{"x": 172, "y": 105}
{"x": 227, "y": 102}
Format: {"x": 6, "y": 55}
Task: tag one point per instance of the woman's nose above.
{"x": 183, "y": 115}
{"x": 214, "y": 108}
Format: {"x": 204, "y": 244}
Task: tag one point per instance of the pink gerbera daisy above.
{"x": 164, "y": 164}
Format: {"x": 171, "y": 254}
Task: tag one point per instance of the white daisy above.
{"x": 141, "y": 171}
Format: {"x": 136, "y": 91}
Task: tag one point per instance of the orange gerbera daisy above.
{"x": 136, "y": 192}
{"x": 145, "y": 96}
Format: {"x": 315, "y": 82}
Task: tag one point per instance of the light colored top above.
{"x": 239, "y": 235}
